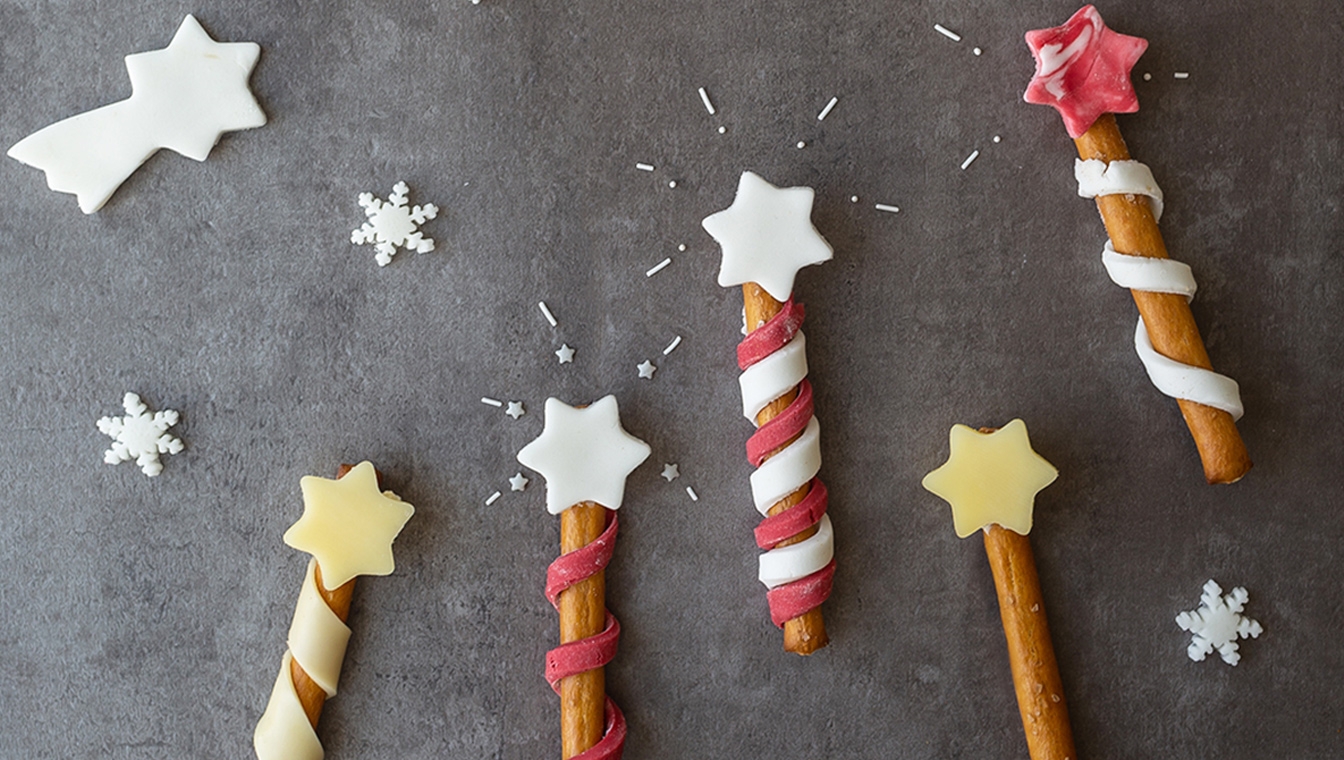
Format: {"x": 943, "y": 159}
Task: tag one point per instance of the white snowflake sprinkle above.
{"x": 393, "y": 223}
{"x": 1218, "y": 623}
{"x": 140, "y": 436}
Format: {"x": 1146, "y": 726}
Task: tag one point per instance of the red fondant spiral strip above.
{"x": 595, "y": 651}
{"x": 798, "y": 576}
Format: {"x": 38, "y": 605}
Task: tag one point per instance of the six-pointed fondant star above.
{"x": 991, "y": 478}
{"x": 584, "y": 454}
{"x": 348, "y": 525}
{"x": 1082, "y": 69}
{"x": 767, "y": 236}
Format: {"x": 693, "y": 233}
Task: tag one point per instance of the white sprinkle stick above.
{"x": 948, "y": 33}
{"x": 704, "y": 96}
{"x": 974, "y": 155}
{"x": 547, "y": 312}
{"x": 494, "y": 497}
{"x": 660, "y": 266}
{"x": 691, "y": 493}
{"x": 644, "y": 167}
{"x": 491, "y": 401}
{"x": 888, "y": 209}
{"x": 827, "y": 109}
{"x": 1182, "y": 75}
{"x": 672, "y": 346}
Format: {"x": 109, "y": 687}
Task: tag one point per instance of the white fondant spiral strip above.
{"x": 317, "y": 640}
{"x": 789, "y": 469}
{"x": 1183, "y": 381}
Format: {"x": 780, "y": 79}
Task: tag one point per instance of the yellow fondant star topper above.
{"x": 348, "y": 525}
{"x": 991, "y": 478}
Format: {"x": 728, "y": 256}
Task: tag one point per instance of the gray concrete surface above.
{"x": 146, "y": 618}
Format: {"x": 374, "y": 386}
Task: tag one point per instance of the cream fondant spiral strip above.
{"x": 781, "y": 368}
{"x": 317, "y": 640}
{"x": 1182, "y": 381}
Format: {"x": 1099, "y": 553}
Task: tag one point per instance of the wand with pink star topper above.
{"x": 1082, "y": 70}
{"x": 183, "y": 97}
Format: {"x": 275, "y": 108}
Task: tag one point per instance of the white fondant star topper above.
{"x": 183, "y": 97}
{"x": 767, "y": 236}
{"x": 584, "y": 454}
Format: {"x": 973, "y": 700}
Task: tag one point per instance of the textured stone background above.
{"x": 146, "y": 618}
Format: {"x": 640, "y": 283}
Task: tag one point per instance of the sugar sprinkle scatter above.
{"x": 948, "y": 33}
{"x": 827, "y": 109}
{"x": 704, "y": 97}
{"x": 546, "y": 311}
{"x": 660, "y": 266}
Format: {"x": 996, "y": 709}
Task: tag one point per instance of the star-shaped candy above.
{"x": 991, "y": 478}
{"x": 515, "y": 409}
{"x": 646, "y": 369}
{"x": 670, "y": 472}
{"x": 184, "y": 98}
{"x": 348, "y": 525}
{"x": 564, "y": 353}
{"x": 518, "y": 482}
{"x": 584, "y": 454}
{"x": 1082, "y": 69}
{"x": 767, "y": 236}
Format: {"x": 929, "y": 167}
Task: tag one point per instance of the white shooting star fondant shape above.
{"x": 767, "y": 236}
{"x": 584, "y": 454}
{"x": 183, "y": 98}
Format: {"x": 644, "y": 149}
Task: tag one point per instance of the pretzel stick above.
{"x": 806, "y": 633}
{"x": 583, "y": 612}
{"x": 1171, "y": 325}
{"x": 1040, "y": 692}
{"x": 311, "y": 696}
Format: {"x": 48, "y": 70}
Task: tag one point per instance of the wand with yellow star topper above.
{"x": 1082, "y": 70}
{"x": 348, "y": 525}
{"x": 991, "y": 479}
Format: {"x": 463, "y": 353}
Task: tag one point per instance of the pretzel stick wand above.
{"x": 1083, "y": 71}
{"x": 806, "y": 633}
{"x": 585, "y": 456}
{"x": 991, "y": 478}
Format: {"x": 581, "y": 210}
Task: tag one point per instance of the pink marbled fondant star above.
{"x": 1082, "y": 69}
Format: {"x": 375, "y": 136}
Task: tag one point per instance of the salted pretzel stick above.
{"x": 1040, "y": 692}
{"x": 1171, "y": 325}
{"x": 990, "y": 479}
{"x": 806, "y": 633}
{"x": 583, "y": 614}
